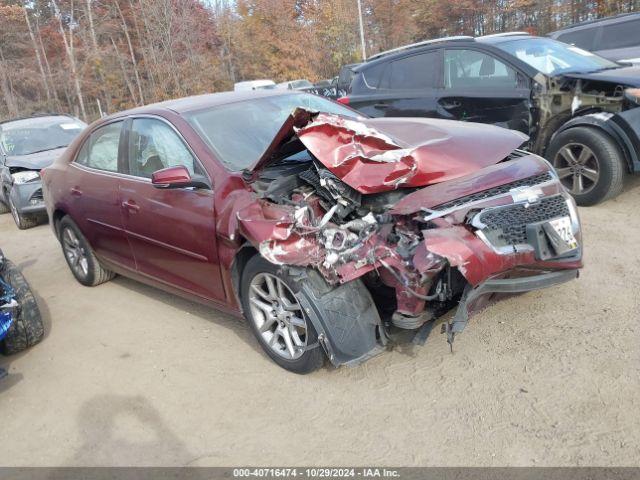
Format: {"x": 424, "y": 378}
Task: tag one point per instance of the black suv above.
{"x": 578, "y": 109}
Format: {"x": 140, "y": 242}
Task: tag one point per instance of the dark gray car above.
{"x": 616, "y": 38}
{"x": 27, "y": 146}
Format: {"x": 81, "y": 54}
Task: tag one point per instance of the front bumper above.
{"x": 471, "y": 295}
{"x": 27, "y": 198}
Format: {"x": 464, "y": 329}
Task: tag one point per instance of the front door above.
{"x": 479, "y": 87}
{"x": 171, "y": 231}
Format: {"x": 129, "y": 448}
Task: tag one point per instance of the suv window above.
{"x": 154, "y": 145}
{"x": 582, "y": 38}
{"x": 473, "y": 69}
{"x": 411, "y": 73}
{"x": 100, "y": 151}
{"x": 619, "y": 35}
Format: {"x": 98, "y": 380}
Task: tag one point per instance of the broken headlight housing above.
{"x": 25, "y": 176}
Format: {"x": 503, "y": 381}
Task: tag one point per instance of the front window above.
{"x": 554, "y": 58}
{"x": 239, "y": 133}
{"x": 470, "y": 69}
{"x": 154, "y": 145}
{"x": 38, "y": 134}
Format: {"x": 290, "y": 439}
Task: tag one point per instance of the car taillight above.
{"x": 343, "y": 100}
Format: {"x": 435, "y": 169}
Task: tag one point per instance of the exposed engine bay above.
{"x": 424, "y": 226}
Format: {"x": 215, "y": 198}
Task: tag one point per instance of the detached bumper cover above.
{"x": 506, "y": 286}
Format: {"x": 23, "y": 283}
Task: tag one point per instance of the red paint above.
{"x": 173, "y": 176}
{"x": 186, "y": 240}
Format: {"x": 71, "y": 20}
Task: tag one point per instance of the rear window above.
{"x": 582, "y": 38}
{"x": 619, "y": 35}
{"x": 412, "y": 73}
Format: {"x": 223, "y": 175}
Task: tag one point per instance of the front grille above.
{"x": 508, "y": 225}
{"x": 499, "y": 190}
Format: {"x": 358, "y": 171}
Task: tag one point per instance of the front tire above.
{"x": 589, "y": 163}
{"x": 27, "y": 329}
{"x": 23, "y": 222}
{"x": 276, "y": 318}
{"x": 80, "y": 257}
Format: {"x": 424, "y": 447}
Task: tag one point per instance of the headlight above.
{"x": 633, "y": 94}
{"x": 23, "y": 177}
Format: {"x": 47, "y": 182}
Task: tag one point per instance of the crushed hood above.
{"x": 629, "y": 76}
{"x": 35, "y": 161}
{"x": 375, "y": 155}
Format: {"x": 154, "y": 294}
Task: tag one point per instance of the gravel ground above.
{"x": 129, "y": 375}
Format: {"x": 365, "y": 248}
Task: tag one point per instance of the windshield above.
{"x": 33, "y": 135}
{"x": 239, "y": 133}
{"x": 553, "y": 58}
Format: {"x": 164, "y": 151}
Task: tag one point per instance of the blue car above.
{"x": 20, "y": 321}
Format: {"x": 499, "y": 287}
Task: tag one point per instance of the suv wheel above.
{"x": 589, "y": 164}
{"x": 22, "y": 221}
{"x": 27, "y": 329}
{"x": 80, "y": 256}
{"x": 277, "y": 319}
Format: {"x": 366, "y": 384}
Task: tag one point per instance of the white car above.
{"x": 295, "y": 85}
{"x": 254, "y": 85}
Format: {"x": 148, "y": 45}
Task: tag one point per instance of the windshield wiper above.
{"x": 47, "y": 149}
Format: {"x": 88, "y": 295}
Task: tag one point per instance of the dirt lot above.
{"x": 130, "y": 375}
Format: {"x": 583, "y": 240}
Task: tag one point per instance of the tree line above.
{"x": 94, "y": 57}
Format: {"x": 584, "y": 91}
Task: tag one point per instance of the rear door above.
{"x": 94, "y": 204}
{"x": 404, "y": 87}
{"x": 479, "y": 87}
{"x": 171, "y": 231}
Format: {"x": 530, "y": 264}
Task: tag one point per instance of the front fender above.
{"x": 623, "y": 127}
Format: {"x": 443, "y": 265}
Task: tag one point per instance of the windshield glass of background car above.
{"x": 239, "y": 133}
{"x": 553, "y": 58}
{"x": 32, "y": 135}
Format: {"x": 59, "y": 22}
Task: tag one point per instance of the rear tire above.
{"x": 286, "y": 333}
{"x": 27, "y": 329}
{"x": 588, "y": 158}
{"x": 80, "y": 257}
{"x": 4, "y": 208}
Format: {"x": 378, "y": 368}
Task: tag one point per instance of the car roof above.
{"x": 199, "y": 102}
{"x": 623, "y": 17}
{"x": 457, "y": 41}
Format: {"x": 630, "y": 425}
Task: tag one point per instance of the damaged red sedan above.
{"x": 330, "y": 231}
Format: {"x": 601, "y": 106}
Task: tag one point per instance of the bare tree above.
{"x": 69, "y": 50}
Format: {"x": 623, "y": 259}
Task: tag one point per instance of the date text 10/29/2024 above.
{"x": 317, "y": 472}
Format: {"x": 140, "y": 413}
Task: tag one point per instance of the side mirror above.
{"x": 178, "y": 177}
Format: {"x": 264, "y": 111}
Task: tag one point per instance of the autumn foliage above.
{"x": 88, "y": 57}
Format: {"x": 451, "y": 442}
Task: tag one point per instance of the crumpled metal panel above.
{"x": 378, "y": 155}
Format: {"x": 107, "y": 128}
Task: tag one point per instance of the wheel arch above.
{"x": 240, "y": 260}
{"x": 604, "y": 123}
{"x": 57, "y": 215}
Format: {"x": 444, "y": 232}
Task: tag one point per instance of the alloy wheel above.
{"x": 75, "y": 253}
{"x": 278, "y": 316}
{"x": 577, "y": 168}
